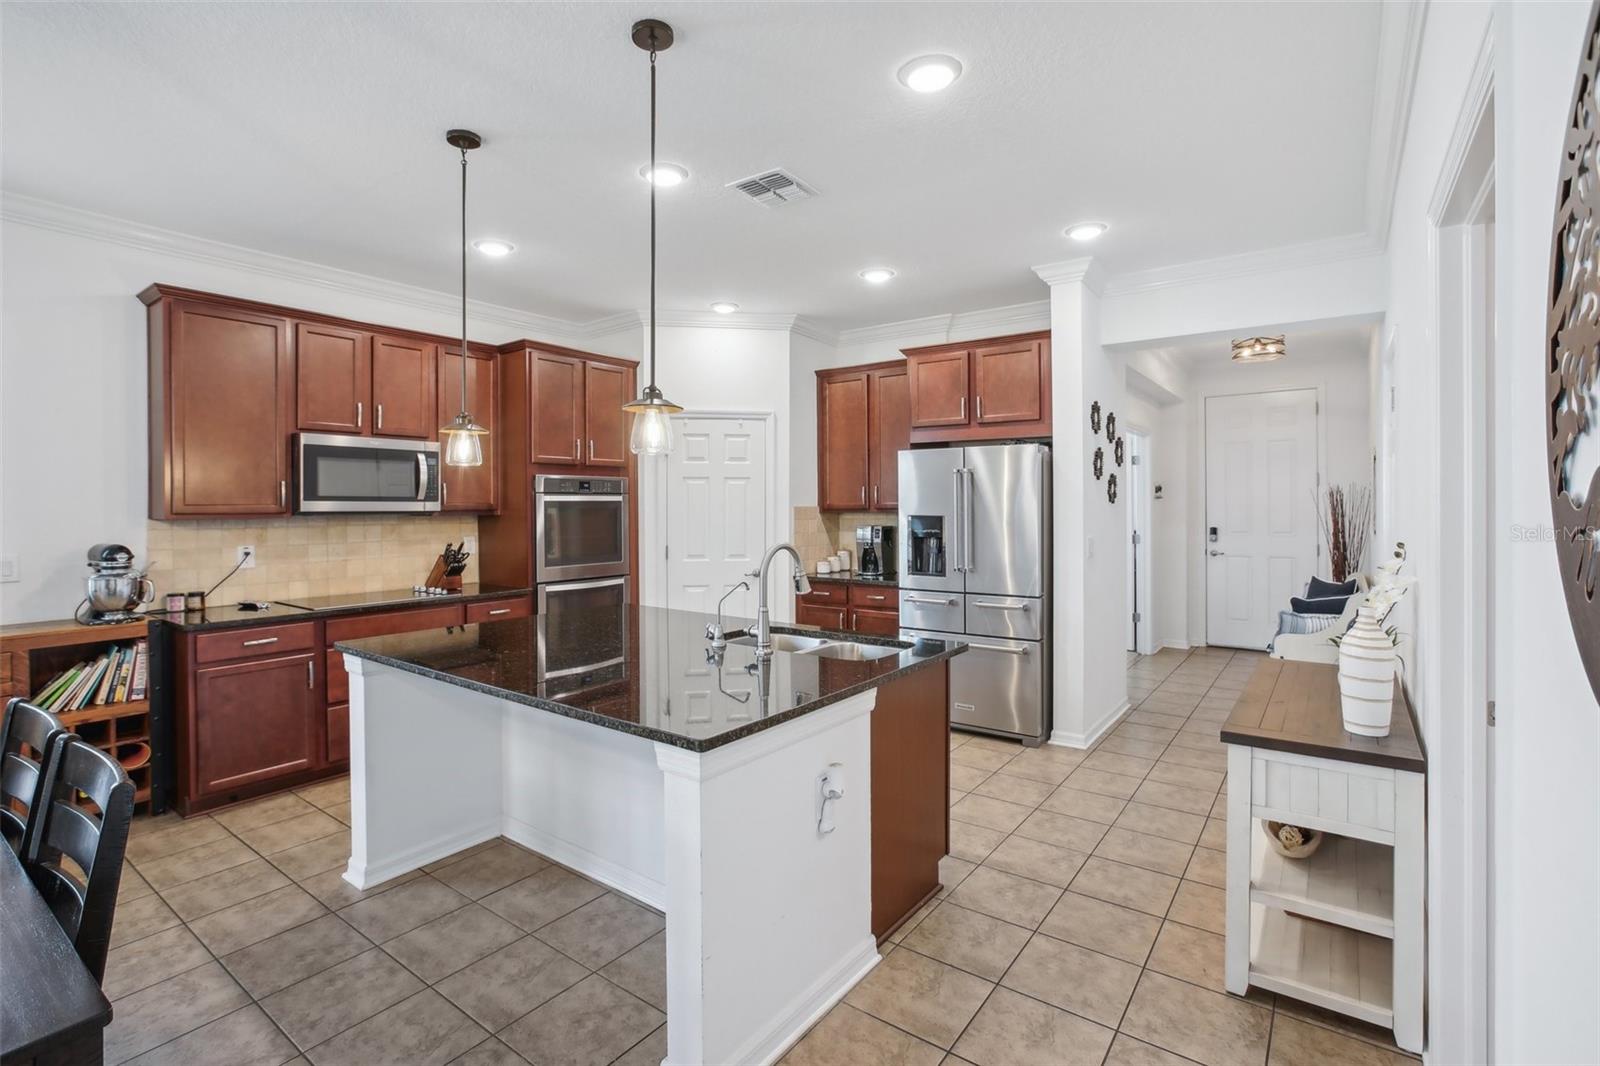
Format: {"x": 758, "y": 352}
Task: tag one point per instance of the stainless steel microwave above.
{"x": 335, "y": 472}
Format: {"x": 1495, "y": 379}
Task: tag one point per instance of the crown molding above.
{"x": 621, "y": 322}
{"x": 1246, "y": 264}
{"x": 815, "y": 329}
{"x": 76, "y": 222}
{"x": 1085, "y": 270}
{"x": 712, "y": 320}
{"x": 1399, "y": 55}
{"x": 937, "y": 326}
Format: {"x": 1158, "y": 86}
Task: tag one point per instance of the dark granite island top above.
{"x": 644, "y": 671}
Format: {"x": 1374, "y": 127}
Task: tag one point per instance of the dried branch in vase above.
{"x": 1345, "y": 516}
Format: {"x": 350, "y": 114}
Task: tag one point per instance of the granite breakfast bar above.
{"x": 785, "y": 814}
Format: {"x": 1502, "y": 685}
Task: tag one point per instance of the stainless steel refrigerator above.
{"x": 975, "y": 564}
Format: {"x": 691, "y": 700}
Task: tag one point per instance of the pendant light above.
{"x": 463, "y": 438}
{"x": 652, "y": 412}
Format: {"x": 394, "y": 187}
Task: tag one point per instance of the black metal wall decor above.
{"x": 1099, "y": 463}
{"x": 1111, "y": 488}
{"x": 1111, "y": 426}
{"x": 1094, "y": 417}
{"x": 1572, "y": 357}
{"x": 1121, "y": 450}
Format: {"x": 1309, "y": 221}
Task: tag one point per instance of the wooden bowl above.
{"x": 1312, "y": 842}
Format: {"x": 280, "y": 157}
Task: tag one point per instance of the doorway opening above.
{"x": 1141, "y": 617}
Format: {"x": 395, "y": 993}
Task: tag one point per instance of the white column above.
{"x": 769, "y": 919}
{"x": 1090, "y": 596}
{"x": 1236, "y": 921}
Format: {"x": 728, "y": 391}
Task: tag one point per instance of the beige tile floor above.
{"x": 1080, "y": 922}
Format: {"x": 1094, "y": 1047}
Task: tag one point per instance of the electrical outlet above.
{"x": 246, "y": 557}
{"x": 469, "y": 544}
{"x": 10, "y": 570}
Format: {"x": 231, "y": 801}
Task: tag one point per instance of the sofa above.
{"x": 1307, "y": 637}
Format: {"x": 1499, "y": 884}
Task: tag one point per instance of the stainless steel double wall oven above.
{"x": 580, "y": 542}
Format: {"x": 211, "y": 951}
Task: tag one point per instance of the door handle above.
{"x": 422, "y": 469}
{"x": 358, "y": 414}
{"x": 968, "y": 497}
{"x": 1215, "y": 552}
{"x": 998, "y": 647}
{"x": 934, "y": 603}
{"x": 955, "y": 524}
{"x": 1000, "y": 606}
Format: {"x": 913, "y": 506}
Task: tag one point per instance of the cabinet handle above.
{"x": 875, "y": 597}
{"x": 1000, "y": 606}
{"x": 874, "y": 495}
{"x": 283, "y": 494}
{"x": 936, "y": 603}
{"x": 311, "y": 673}
{"x": 863, "y": 494}
{"x": 997, "y": 647}
{"x": 577, "y": 450}
{"x": 980, "y": 408}
{"x": 591, "y": 449}
{"x": 963, "y": 409}
{"x": 380, "y": 416}
{"x": 358, "y": 414}
{"x": 500, "y": 610}
{"x": 259, "y": 641}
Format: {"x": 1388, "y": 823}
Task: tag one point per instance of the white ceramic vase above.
{"x": 1366, "y": 676}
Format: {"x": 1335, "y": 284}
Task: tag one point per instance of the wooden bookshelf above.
{"x": 33, "y": 652}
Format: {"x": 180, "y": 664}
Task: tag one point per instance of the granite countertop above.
{"x": 228, "y": 616}
{"x": 644, "y": 671}
{"x": 856, "y": 579}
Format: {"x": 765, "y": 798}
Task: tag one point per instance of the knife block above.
{"x": 437, "y": 578}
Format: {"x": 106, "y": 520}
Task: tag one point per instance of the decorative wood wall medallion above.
{"x": 1111, "y": 425}
{"x": 1099, "y": 463}
{"x": 1111, "y": 488}
{"x": 1094, "y": 417}
{"x": 1121, "y": 450}
{"x": 1572, "y": 358}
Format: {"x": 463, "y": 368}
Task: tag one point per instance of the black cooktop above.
{"x": 386, "y": 598}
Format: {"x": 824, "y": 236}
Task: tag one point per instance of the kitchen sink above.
{"x": 822, "y": 647}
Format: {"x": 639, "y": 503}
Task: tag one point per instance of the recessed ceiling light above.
{"x": 1086, "y": 231}
{"x": 724, "y": 307}
{"x": 666, "y": 175}
{"x": 876, "y": 275}
{"x": 1258, "y": 349}
{"x": 494, "y": 247}
{"x": 929, "y": 74}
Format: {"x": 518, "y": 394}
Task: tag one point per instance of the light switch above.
{"x": 10, "y": 570}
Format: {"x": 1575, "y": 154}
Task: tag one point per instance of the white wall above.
{"x": 1344, "y": 451}
{"x": 73, "y": 354}
{"x": 1168, "y": 581}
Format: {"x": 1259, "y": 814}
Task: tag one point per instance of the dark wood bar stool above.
{"x": 76, "y": 856}
{"x": 26, "y": 734}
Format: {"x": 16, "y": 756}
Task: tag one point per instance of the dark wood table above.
{"x": 51, "y": 1009}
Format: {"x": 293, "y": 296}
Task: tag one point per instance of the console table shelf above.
{"x": 1342, "y": 929}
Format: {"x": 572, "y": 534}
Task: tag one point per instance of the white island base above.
{"x": 768, "y": 916}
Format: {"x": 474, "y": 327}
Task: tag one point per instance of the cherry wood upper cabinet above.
{"x": 333, "y": 378}
{"x": 981, "y": 390}
{"x": 939, "y": 384}
{"x": 403, "y": 388}
{"x": 471, "y": 488}
{"x": 555, "y": 405}
{"x": 888, "y": 433}
{"x": 1010, "y": 382}
{"x": 221, "y": 409}
{"x": 606, "y": 387}
{"x": 842, "y": 441}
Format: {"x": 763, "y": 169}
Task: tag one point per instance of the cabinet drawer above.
{"x": 407, "y": 621}
{"x": 875, "y": 622}
{"x": 254, "y": 641}
{"x": 830, "y": 592}
{"x": 822, "y": 616}
{"x": 876, "y": 597}
{"x": 499, "y": 610}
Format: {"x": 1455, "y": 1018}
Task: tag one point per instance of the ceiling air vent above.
{"x": 773, "y": 188}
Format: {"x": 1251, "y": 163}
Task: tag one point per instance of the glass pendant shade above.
{"x": 463, "y": 441}
{"x": 652, "y": 423}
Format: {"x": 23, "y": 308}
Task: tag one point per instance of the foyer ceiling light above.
{"x": 876, "y": 275}
{"x": 494, "y": 247}
{"x": 724, "y": 307}
{"x": 1258, "y": 349}
{"x": 666, "y": 175}
{"x": 930, "y": 74}
{"x": 652, "y": 412}
{"x": 1086, "y": 231}
{"x": 462, "y": 437}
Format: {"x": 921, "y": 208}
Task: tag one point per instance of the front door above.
{"x": 1261, "y": 511}
{"x": 717, "y": 507}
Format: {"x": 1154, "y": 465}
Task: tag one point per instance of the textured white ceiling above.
{"x": 316, "y": 131}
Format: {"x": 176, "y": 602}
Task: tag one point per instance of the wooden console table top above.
{"x": 1294, "y": 707}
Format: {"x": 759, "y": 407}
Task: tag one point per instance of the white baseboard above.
{"x": 366, "y": 875}
{"x": 1175, "y": 645}
{"x": 595, "y": 867}
{"x": 768, "y": 1046}
{"x": 1087, "y": 738}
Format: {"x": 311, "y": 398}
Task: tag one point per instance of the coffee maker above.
{"x": 115, "y": 588}
{"x": 875, "y": 551}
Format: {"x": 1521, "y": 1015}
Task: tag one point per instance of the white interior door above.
{"x": 717, "y": 508}
{"x": 1261, "y": 511}
{"x": 1141, "y": 624}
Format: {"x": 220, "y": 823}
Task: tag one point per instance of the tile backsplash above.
{"x": 821, "y": 533}
{"x": 306, "y": 555}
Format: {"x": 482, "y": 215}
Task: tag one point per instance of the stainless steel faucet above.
{"x": 763, "y": 620}
{"x": 715, "y": 633}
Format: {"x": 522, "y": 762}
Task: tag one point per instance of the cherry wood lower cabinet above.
{"x": 910, "y": 794}
{"x": 853, "y": 607}
{"x": 258, "y": 722}
{"x": 812, "y": 614}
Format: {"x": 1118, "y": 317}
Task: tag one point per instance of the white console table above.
{"x": 1344, "y": 928}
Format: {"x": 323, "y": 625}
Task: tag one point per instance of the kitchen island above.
{"x": 785, "y": 814}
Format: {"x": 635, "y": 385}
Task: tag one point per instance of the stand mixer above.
{"x": 115, "y": 589}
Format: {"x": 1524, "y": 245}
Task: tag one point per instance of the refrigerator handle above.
{"x": 957, "y": 534}
{"x": 967, "y": 495}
